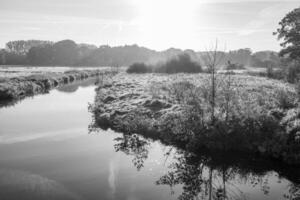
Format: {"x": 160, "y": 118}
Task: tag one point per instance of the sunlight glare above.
{"x": 162, "y": 23}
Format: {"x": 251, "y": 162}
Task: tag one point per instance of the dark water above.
{"x": 47, "y": 152}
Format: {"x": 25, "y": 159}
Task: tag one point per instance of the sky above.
{"x": 156, "y": 24}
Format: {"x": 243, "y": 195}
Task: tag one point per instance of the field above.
{"x": 19, "y": 82}
{"x": 239, "y": 112}
{"x": 249, "y": 114}
{"x": 8, "y": 71}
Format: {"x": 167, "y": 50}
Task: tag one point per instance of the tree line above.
{"x": 68, "y": 53}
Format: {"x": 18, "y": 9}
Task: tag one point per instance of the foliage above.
{"x": 177, "y": 64}
{"x": 233, "y": 66}
{"x": 264, "y": 59}
{"x": 12, "y": 57}
{"x": 138, "y": 68}
{"x": 21, "y": 47}
{"x": 65, "y": 53}
{"x": 285, "y": 100}
{"x": 250, "y": 113}
{"x": 289, "y": 31}
{"x": 181, "y": 63}
{"x": 43, "y": 53}
{"x": 292, "y": 72}
{"x": 135, "y": 146}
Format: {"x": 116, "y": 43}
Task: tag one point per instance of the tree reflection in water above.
{"x": 204, "y": 177}
{"x": 199, "y": 180}
{"x": 135, "y": 146}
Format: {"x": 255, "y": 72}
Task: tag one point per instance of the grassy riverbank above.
{"x": 15, "y": 88}
{"x": 251, "y": 114}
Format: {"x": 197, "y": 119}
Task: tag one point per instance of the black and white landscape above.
{"x": 149, "y": 99}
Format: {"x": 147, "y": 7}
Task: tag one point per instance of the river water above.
{"x": 48, "y": 152}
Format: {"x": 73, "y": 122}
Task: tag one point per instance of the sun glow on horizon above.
{"x": 167, "y": 23}
{"x": 156, "y": 24}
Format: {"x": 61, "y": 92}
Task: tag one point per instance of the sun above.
{"x": 166, "y": 23}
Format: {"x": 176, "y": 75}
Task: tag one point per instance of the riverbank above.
{"x": 16, "y": 88}
{"x": 251, "y": 114}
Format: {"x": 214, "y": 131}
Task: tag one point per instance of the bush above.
{"x": 292, "y": 73}
{"x": 234, "y": 66}
{"x": 270, "y": 72}
{"x": 138, "y": 68}
{"x": 284, "y": 99}
{"x": 181, "y": 63}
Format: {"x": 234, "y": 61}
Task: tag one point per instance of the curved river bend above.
{"x": 47, "y": 152}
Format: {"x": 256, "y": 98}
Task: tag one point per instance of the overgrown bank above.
{"x": 251, "y": 114}
{"x": 19, "y": 87}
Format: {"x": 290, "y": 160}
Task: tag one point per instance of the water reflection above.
{"x": 73, "y": 87}
{"x": 219, "y": 177}
{"x": 45, "y": 152}
{"x": 135, "y": 146}
{"x": 68, "y": 88}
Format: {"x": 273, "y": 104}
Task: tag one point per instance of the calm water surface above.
{"x": 47, "y": 152}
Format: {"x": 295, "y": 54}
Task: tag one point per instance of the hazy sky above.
{"x": 157, "y": 24}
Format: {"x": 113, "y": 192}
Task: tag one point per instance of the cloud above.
{"x": 112, "y": 9}
{"x": 31, "y": 28}
{"x": 246, "y": 32}
{"x": 245, "y": 1}
{"x": 266, "y": 19}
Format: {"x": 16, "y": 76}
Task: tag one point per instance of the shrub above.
{"x": 284, "y": 99}
{"x": 234, "y": 66}
{"x": 270, "y": 72}
{"x": 292, "y": 73}
{"x": 297, "y": 89}
{"x": 138, "y": 68}
{"x": 181, "y": 91}
{"x": 181, "y": 63}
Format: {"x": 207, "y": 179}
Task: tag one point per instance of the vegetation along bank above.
{"x": 19, "y": 87}
{"x": 243, "y": 113}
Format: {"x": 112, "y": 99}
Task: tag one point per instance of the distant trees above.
{"x": 289, "y": 32}
{"x": 234, "y": 66}
{"x": 138, "y": 68}
{"x": 21, "y": 47}
{"x": 85, "y": 51}
{"x": 67, "y": 52}
{"x": 121, "y": 55}
{"x": 265, "y": 59}
{"x": 41, "y": 55}
{"x": 240, "y": 57}
{"x": 2, "y": 57}
{"x": 181, "y": 63}
{"x": 63, "y": 53}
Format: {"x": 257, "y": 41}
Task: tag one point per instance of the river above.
{"x": 48, "y": 152}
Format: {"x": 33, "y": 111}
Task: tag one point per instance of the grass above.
{"x": 252, "y": 114}
{"x": 18, "y": 87}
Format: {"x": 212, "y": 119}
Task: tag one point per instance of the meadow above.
{"x": 246, "y": 114}
{"x": 19, "y": 82}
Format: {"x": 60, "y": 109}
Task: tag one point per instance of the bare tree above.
{"x": 212, "y": 59}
